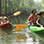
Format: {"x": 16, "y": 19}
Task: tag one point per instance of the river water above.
{"x": 24, "y": 37}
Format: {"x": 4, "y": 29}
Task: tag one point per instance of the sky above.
{"x": 37, "y": 0}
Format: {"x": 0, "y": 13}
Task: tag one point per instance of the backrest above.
{"x": 42, "y": 18}
{"x": 41, "y": 21}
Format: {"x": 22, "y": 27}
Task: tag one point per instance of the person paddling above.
{"x": 33, "y": 19}
{"x": 3, "y": 19}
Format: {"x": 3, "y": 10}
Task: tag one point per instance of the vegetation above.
{"x": 9, "y": 7}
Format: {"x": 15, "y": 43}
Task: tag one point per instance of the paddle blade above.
{"x": 20, "y": 27}
{"x": 17, "y": 13}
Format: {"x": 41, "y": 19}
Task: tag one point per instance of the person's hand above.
{"x": 29, "y": 21}
{"x": 32, "y": 23}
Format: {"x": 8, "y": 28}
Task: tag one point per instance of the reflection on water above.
{"x": 24, "y": 37}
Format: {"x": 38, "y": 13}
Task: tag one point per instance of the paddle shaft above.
{"x": 33, "y": 19}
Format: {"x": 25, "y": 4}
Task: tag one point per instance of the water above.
{"x": 24, "y": 37}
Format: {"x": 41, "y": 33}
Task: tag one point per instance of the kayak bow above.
{"x": 6, "y": 25}
{"x": 37, "y": 30}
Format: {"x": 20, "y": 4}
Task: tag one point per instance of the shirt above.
{"x": 33, "y": 18}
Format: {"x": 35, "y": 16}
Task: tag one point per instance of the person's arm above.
{"x": 5, "y": 17}
{"x": 38, "y": 23}
{"x": 29, "y": 19}
{"x": 38, "y": 17}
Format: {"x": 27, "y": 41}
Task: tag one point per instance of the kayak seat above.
{"x": 35, "y": 24}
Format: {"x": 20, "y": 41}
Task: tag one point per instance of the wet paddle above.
{"x": 19, "y": 27}
{"x": 17, "y": 13}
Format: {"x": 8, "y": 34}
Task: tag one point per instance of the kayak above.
{"x": 37, "y": 30}
{"x": 6, "y": 25}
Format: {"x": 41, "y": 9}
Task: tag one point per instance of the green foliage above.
{"x": 25, "y": 6}
{"x": 16, "y": 4}
{"x": 42, "y": 3}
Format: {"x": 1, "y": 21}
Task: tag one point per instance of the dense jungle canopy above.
{"x": 9, "y": 7}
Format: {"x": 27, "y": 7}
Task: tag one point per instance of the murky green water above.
{"x": 24, "y": 37}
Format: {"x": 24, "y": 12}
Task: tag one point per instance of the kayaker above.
{"x": 33, "y": 18}
{"x": 3, "y": 18}
{"x": 3, "y": 15}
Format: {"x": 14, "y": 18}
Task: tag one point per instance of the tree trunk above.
{"x": 12, "y": 7}
{"x": 0, "y": 7}
{"x": 6, "y": 7}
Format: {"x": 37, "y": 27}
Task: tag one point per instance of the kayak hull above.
{"x": 37, "y": 30}
{"x": 6, "y": 25}
{"x": 40, "y": 32}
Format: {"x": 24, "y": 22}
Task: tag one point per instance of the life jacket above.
{"x": 32, "y": 18}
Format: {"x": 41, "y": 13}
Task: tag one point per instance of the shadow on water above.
{"x": 24, "y": 37}
{"x": 40, "y": 35}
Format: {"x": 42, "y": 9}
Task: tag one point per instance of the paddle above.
{"x": 19, "y": 27}
{"x": 32, "y": 20}
{"x": 17, "y": 13}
